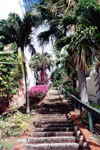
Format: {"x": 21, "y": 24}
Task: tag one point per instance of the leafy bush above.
{"x": 10, "y": 78}
{"x": 56, "y": 83}
{"x": 68, "y": 82}
{"x": 71, "y": 90}
{"x": 37, "y": 93}
{"x": 13, "y": 123}
{"x": 94, "y": 105}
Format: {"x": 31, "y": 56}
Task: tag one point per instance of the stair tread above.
{"x": 51, "y": 133}
{"x": 54, "y": 121}
{"x": 54, "y": 137}
{"x": 53, "y": 128}
{"x": 53, "y": 144}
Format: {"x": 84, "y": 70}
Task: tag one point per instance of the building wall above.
{"x": 97, "y": 83}
{"x": 91, "y": 87}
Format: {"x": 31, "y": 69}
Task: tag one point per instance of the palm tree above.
{"x": 36, "y": 63}
{"x": 52, "y": 13}
{"x": 18, "y": 30}
{"x": 86, "y": 38}
{"x": 69, "y": 68}
{"x": 57, "y": 76}
{"x": 88, "y": 25}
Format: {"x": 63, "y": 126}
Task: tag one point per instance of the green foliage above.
{"x": 1, "y": 44}
{"x": 94, "y": 105}
{"x": 14, "y": 123}
{"x": 57, "y": 75}
{"x": 7, "y": 145}
{"x": 56, "y": 83}
{"x": 36, "y": 64}
{"x": 10, "y": 76}
{"x": 78, "y": 122}
{"x": 14, "y": 46}
{"x": 16, "y": 29}
{"x": 70, "y": 89}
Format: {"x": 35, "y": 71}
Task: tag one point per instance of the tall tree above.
{"x": 16, "y": 29}
{"x": 36, "y": 64}
{"x": 51, "y": 13}
{"x": 82, "y": 44}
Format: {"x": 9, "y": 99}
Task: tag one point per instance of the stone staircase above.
{"x": 54, "y": 128}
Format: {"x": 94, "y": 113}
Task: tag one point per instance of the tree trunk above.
{"x": 82, "y": 85}
{"x": 43, "y": 66}
{"x": 74, "y": 83}
{"x": 26, "y": 84}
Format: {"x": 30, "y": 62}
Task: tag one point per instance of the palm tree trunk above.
{"x": 26, "y": 84}
{"x": 43, "y": 66}
{"x": 74, "y": 83}
{"x": 82, "y": 85}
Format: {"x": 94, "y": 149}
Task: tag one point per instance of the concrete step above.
{"x": 56, "y": 129}
{"x": 55, "y": 111}
{"x": 49, "y": 118}
{"x": 57, "y": 146}
{"x": 52, "y": 121}
{"x": 54, "y": 117}
{"x": 53, "y": 146}
{"x": 53, "y": 125}
{"x": 53, "y": 139}
{"x": 47, "y": 134}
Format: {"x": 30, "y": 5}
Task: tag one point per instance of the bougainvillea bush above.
{"x": 38, "y": 92}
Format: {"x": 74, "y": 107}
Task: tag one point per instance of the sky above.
{"x": 27, "y": 3}
{"x": 7, "y": 6}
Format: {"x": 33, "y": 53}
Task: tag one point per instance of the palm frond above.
{"x": 59, "y": 44}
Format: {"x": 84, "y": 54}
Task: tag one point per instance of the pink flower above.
{"x": 38, "y": 91}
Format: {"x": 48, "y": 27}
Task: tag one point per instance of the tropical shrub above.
{"x": 70, "y": 89}
{"x": 68, "y": 82}
{"x": 56, "y": 83}
{"x": 12, "y": 124}
{"x": 38, "y": 92}
{"x": 10, "y": 79}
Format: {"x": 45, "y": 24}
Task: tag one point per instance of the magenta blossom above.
{"x": 38, "y": 92}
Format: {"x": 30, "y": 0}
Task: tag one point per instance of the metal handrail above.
{"x": 89, "y": 108}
